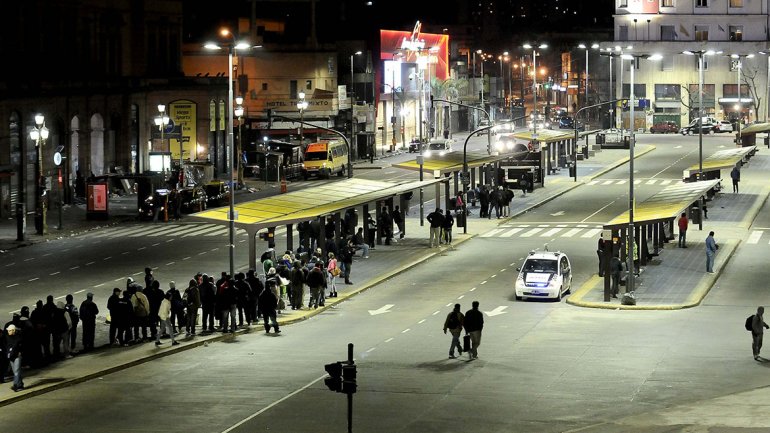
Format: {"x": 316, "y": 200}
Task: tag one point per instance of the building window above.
{"x": 293, "y": 89}
{"x": 264, "y": 86}
{"x": 667, "y": 63}
{"x": 701, "y": 33}
{"x": 736, "y": 3}
{"x": 623, "y": 3}
{"x": 668, "y": 91}
{"x": 308, "y": 84}
{"x": 623, "y": 33}
{"x": 640, "y": 91}
{"x": 667, "y": 33}
{"x": 705, "y": 63}
{"x": 736, "y": 33}
{"x": 701, "y": 3}
{"x": 666, "y": 3}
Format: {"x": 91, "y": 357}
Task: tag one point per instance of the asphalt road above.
{"x": 543, "y": 366}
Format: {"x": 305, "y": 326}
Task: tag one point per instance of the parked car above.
{"x": 544, "y": 275}
{"x": 692, "y": 128}
{"x": 438, "y": 147}
{"x": 414, "y": 145}
{"x": 664, "y": 128}
{"x": 725, "y": 126}
{"x": 483, "y": 123}
{"x": 566, "y": 122}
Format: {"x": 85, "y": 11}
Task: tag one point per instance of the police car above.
{"x": 544, "y": 274}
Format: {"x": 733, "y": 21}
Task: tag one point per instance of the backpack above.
{"x": 139, "y": 309}
{"x": 453, "y": 322}
{"x": 749, "y": 321}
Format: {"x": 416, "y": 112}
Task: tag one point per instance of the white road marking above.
{"x": 491, "y": 233}
{"x": 637, "y": 182}
{"x": 483, "y": 282}
{"x": 186, "y": 258}
{"x": 54, "y": 273}
{"x": 99, "y": 285}
{"x": 754, "y": 237}
{"x": 473, "y": 288}
{"x": 33, "y": 279}
{"x": 61, "y": 297}
{"x": 493, "y": 276}
{"x": 80, "y": 291}
{"x": 10, "y": 264}
{"x": 593, "y": 182}
{"x": 608, "y": 182}
{"x": 74, "y": 267}
{"x": 46, "y": 255}
{"x": 435, "y": 312}
{"x": 550, "y": 232}
{"x": 119, "y": 279}
{"x": 449, "y": 304}
{"x": 125, "y": 252}
{"x": 107, "y": 258}
{"x": 571, "y": 233}
{"x": 665, "y": 181}
{"x": 511, "y": 232}
{"x": 370, "y": 350}
{"x": 141, "y": 248}
{"x": 90, "y": 263}
{"x": 405, "y": 331}
{"x": 138, "y": 273}
{"x": 531, "y": 232}
{"x": 421, "y": 321}
{"x": 156, "y": 244}
{"x": 621, "y": 182}
{"x": 389, "y": 340}
{"x": 170, "y": 263}
{"x": 382, "y": 310}
{"x": 12, "y": 285}
{"x": 461, "y": 296}
{"x": 31, "y": 258}
{"x": 591, "y": 233}
{"x": 651, "y": 181}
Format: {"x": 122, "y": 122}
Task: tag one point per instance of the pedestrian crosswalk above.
{"x": 183, "y": 230}
{"x": 544, "y": 231}
{"x": 755, "y": 237}
{"x": 652, "y": 181}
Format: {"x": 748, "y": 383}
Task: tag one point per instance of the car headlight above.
{"x": 426, "y": 153}
{"x": 510, "y": 145}
{"x": 324, "y": 165}
{"x": 442, "y": 153}
{"x": 499, "y": 145}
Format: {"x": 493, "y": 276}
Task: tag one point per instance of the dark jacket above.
{"x": 315, "y": 278}
{"x": 256, "y": 286}
{"x": 13, "y": 344}
{"x": 474, "y": 320}
{"x": 436, "y": 219}
{"x": 297, "y": 277}
{"x": 88, "y": 311}
{"x": 208, "y": 294}
{"x": 267, "y": 301}
{"x": 449, "y": 221}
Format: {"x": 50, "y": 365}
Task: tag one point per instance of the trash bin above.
{"x": 460, "y": 218}
{"x": 767, "y": 140}
{"x": 572, "y": 170}
{"x": 626, "y": 142}
{"x": 695, "y": 214}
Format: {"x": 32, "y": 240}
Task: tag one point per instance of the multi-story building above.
{"x": 731, "y": 36}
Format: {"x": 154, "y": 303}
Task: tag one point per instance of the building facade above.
{"x": 731, "y": 36}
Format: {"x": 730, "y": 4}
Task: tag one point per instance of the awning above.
{"x": 755, "y": 128}
{"x": 546, "y": 135}
{"x": 665, "y": 205}
{"x": 453, "y": 162}
{"x": 721, "y": 160}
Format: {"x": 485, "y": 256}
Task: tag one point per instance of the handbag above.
{"x": 467, "y": 343}
{"x": 336, "y": 272}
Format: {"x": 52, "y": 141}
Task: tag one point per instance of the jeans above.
{"x": 232, "y": 311}
{"x": 756, "y": 343}
{"x": 709, "y": 262}
{"x": 165, "y": 328}
{"x": 192, "y": 317}
{"x": 455, "y": 342}
{"x": 365, "y": 248}
{"x": 475, "y": 343}
{"x": 315, "y": 293}
{"x": 435, "y": 233}
{"x": 682, "y": 238}
{"x": 16, "y": 368}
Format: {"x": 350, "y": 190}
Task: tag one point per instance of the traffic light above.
{"x": 342, "y": 377}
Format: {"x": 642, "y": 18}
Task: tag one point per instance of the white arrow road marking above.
{"x": 381, "y": 310}
{"x": 497, "y": 311}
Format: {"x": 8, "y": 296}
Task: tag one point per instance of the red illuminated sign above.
{"x": 408, "y": 46}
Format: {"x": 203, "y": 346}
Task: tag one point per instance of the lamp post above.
{"x": 585, "y": 47}
{"x": 739, "y": 106}
{"x": 301, "y": 106}
{"x": 239, "y": 112}
{"x": 700, "y": 54}
{"x": 39, "y": 134}
{"x": 352, "y": 100}
{"x": 534, "y": 83}
{"x": 232, "y": 46}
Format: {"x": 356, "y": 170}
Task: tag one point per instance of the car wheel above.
{"x": 558, "y": 295}
{"x": 569, "y": 287}
{"x": 519, "y": 298}
{"x": 711, "y": 132}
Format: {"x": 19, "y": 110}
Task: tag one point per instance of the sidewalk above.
{"x": 385, "y": 261}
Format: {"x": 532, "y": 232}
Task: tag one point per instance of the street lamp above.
{"x": 700, "y": 54}
{"x": 632, "y": 142}
{"x": 352, "y": 102}
{"x": 238, "y": 112}
{"x": 534, "y": 83}
{"x": 161, "y": 121}
{"x": 585, "y": 47}
{"x": 232, "y": 46}
{"x": 738, "y": 105}
{"x": 39, "y": 134}
{"x": 301, "y": 106}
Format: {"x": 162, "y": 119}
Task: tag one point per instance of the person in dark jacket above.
{"x": 446, "y": 230}
{"x": 229, "y": 305}
{"x": 474, "y": 324}
{"x": 192, "y": 297}
{"x": 370, "y": 229}
{"x": 256, "y": 288}
{"x": 496, "y": 201}
{"x": 436, "y": 220}
{"x": 125, "y": 318}
{"x": 177, "y": 308}
{"x": 148, "y": 278}
{"x": 49, "y": 313}
{"x": 316, "y": 282}
{"x": 345, "y": 258}
{"x": 208, "y": 299}
{"x": 112, "y": 307}
{"x": 483, "y": 201}
{"x": 268, "y": 303}
{"x": 297, "y": 286}
{"x": 88, "y": 312}
{"x": 75, "y": 318}
{"x": 154, "y": 296}
{"x": 398, "y": 218}
{"x": 14, "y": 345}
{"x": 38, "y": 319}
{"x": 244, "y": 299}
{"x": 386, "y": 225}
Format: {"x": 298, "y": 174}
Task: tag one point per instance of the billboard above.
{"x": 416, "y": 47}
{"x": 185, "y": 114}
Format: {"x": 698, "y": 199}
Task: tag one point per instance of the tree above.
{"x": 749, "y": 76}
{"x": 449, "y": 89}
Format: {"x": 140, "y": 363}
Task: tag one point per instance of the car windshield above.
{"x": 437, "y": 146}
{"x": 315, "y": 156}
{"x": 540, "y": 265}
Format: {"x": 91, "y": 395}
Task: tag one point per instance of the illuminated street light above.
{"x": 39, "y": 134}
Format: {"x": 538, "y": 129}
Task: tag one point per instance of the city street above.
{"x": 543, "y": 366}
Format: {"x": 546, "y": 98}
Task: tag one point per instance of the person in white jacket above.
{"x": 164, "y": 314}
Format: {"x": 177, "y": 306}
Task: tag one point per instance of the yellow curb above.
{"x": 695, "y": 298}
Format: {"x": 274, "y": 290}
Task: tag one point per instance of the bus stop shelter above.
{"x": 721, "y": 160}
{"x": 312, "y": 205}
{"x": 555, "y": 147}
{"x": 451, "y": 165}
{"x": 654, "y": 217}
{"x": 749, "y": 134}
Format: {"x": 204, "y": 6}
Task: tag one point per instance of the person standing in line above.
{"x": 208, "y": 297}
{"x": 13, "y": 348}
{"x": 268, "y": 302}
{"x": 616, "y": 270}
{"x": 735, "y": 175}
{"x": 88, "y": 312}
{"x": 398, "y": 218}
{"x": 474, "y": 324}
{"x": 164, "y": 315}
{"x": 711, "y": 251}
{"x": 600, "y": 253}
{"x": 114, "y": 309}
{"x": 75, "y": 318}
{"x": 449, "y": 221}
{"x": 62, "y": 328}
{"x": 436, "y": 220}
{"x": 683, "y": 224}
{"x": 454, "y": 323}
{"x": 332, "y": 271}
{"x": 758, "y": 327}
{"x": 386, "y": 221}
{"x": 193, "y": 296}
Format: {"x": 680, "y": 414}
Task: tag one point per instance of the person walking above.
{"x": 524, "y": 184}
{"x": 454, "y": 323}
{"x": 758, "y": 327}
{"x": 13, "y": 348}
{"x": 88, "y": 312}
{"x": 268, "y": 302}
{"x": 735, "y": 175}
{"x": 164, "y": 315}
{"x": 398, "y": 218}
{"x": 474, "y": 324}
{"x": 449, "y": 222}
{"x": 436, "y": 220}
{"x": 683, "y": 223}
{"x": 711, "y": 251}
{"x": 600, "y": 253}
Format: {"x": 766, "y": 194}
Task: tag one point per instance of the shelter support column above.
{"x": 290, "y": 237}
{"x": 446, "y": 192}
{"x": 377, "y": 217}
{"x": 322, "y": 235}
{"x": 252, "y": 248}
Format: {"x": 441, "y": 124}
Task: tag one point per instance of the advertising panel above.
{"x": 185, "y": 114}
